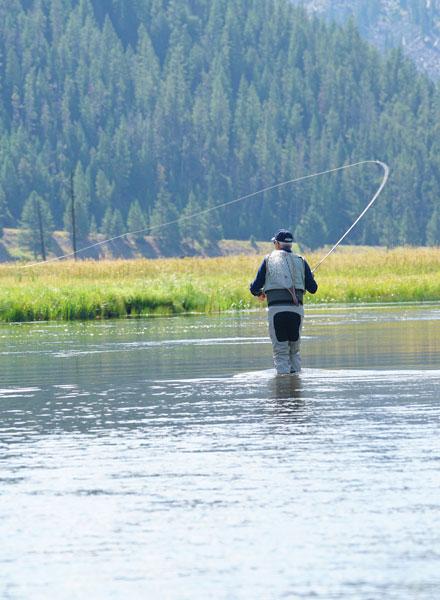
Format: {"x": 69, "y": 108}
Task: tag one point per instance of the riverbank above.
{"x": 90, "y": 289}
{"x": 128, "y": 247}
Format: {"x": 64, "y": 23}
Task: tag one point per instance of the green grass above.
{"x": 91, "y": 290}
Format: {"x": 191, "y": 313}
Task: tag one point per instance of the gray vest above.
{"x": 284, "y": 270}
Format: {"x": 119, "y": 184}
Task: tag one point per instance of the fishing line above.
{"x": 235, "y": 201}
{"x": 369, "y": 205}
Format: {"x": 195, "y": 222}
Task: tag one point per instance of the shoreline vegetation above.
{"x": 89, "y": 289}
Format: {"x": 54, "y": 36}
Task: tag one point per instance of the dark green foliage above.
{"x": 196, "y": 102}
{"x": 192, "y": 228}
{"x": 136, "y": 221}
{"x": 163, "y": 220}
{"x": 118, "y": 225}
{"x": 82, "y": 194}
{"x": 107, "y": 223}
{"x": 433, "y": 228}
{"x": 113, "y": 223}
{"x": 3, "y": 210}
{"x": 36, "y": 225}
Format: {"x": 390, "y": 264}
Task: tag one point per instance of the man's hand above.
{"x": 262, "y": 297}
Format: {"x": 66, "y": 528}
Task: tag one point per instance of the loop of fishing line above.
{"x": 235, "y": 201}
{"x": 369, "y": 205}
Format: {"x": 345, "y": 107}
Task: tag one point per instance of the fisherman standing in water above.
{"x": 282, "y": 279}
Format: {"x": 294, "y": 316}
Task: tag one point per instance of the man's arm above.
{"x": 311, "y": 285}
{"x": 256, "y": 286}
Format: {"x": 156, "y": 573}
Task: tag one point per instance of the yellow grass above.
{"x": 88, "y": 289}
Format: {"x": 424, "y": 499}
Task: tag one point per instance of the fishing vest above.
{"x": 284, "y": 270}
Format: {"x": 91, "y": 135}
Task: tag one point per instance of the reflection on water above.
{"x": 285, "y": 387}
{"x": 163, "y": 458}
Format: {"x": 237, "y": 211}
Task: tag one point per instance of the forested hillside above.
{"x": 163, "y": 107}
{"x": 412, "y": 24}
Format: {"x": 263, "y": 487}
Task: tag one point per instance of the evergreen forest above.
{"x": 155, "y": 109}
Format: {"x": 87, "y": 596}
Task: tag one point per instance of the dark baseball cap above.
{"x": 283, "y": 236}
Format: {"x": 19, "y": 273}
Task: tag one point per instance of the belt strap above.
{"x": 283, "y": 303}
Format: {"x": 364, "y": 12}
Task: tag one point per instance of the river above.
{"x": 162, "y": 458}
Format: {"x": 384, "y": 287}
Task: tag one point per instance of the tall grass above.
{"x": 89, "y": 290}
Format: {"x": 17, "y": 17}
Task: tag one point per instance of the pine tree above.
{"x": 212, "y": 230}
{"x": 190, "y": 226}
{"x": 163, "y": 217}
{"x": 81, "y": 199}
{"x": 93, "y": 227}
{"x": 36, "y": 226}
{"x": 433, "y": 228}
{"x": 146, "y": 71}
{"x": 104, "y": 189}
{"x": 136, "y": 221}
{"x": 107, "y": 223}
{"x": 3, "y": 210}
{"x": 118, "y": 225}
{"x": 311, "y": 231}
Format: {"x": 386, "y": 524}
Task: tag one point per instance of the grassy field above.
{"x": 90, "y": 290}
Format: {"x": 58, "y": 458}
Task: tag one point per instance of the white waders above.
{"x": 285, "y": 325}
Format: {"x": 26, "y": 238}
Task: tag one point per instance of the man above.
{"x": 282, "y": 279}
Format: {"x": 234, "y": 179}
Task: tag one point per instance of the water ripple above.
{"x": 168, "y": 447}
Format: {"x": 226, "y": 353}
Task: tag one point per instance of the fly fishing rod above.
{"x": 235, "y": 201}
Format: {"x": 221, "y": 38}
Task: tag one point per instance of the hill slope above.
{"x": 163, "y": 108}
{"x": 413, "y": 24}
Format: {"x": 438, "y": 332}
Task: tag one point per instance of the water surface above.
{"x": 162, "y": 458}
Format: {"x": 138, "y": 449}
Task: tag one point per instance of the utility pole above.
{"x": 40, "y": 227}
{"x": 72, "y": 198}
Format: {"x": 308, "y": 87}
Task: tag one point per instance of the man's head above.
{"x": 283, "y": 240}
